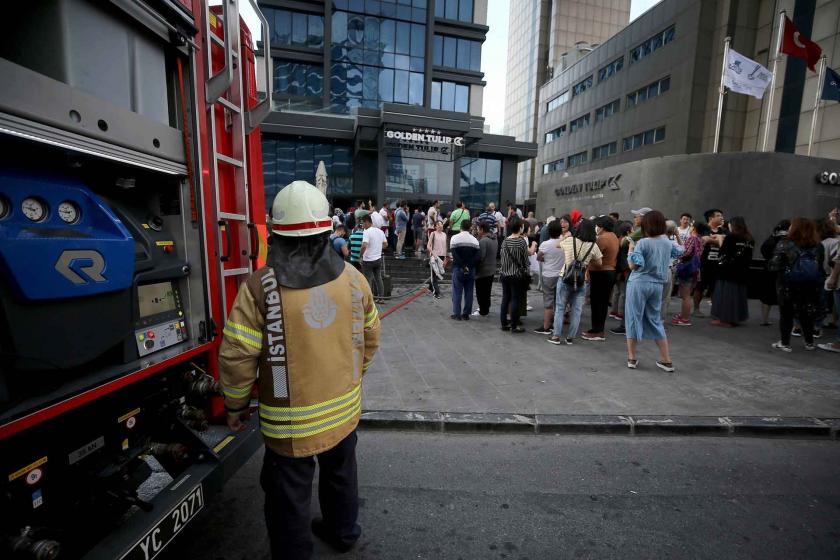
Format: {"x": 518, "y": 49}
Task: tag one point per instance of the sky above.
{"x": 494, "y": 58}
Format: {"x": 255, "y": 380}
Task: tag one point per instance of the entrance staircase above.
{"x": 410, "y": 271}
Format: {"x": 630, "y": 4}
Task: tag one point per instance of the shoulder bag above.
{"x": 575, "y": 274}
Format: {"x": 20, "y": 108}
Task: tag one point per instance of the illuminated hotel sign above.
{"x": 425, "y": 143}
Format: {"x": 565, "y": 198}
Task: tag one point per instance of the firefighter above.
{"x": 304, "y": 329}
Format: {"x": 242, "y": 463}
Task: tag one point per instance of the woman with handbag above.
{"x": 580, "y": 249}
{"x": 437, "y": 252}
{"x": 729, "y": 301}
{"x": 650, "y": 263}
{"x": 688, "y": 271}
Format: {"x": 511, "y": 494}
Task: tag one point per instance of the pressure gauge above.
{"x": 34, "y": 209}
{"x": 5, "y": 208}
{"x": 68, "y": 212}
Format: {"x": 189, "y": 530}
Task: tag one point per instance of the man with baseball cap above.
{"x": 302, "y": 331}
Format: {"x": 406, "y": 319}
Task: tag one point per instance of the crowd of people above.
{"x": 626, "y": 271}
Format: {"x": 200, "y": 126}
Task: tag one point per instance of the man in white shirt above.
{"x": 373, "y": 242}
{"x": 432, "y": 216}
{"x": 500, "y": 221}
{"x": 552, "y": 258}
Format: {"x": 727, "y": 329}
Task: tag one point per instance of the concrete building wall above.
{"x": 693, "y": 61}
{"x": 762, "y": 187}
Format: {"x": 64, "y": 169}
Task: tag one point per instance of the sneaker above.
{"x": 632, "y": 364}
{"x": 474, "y": 313}
{"x": 505, "y": 327}
{"x": 618, "y": 330}
{"x": 782, "y": 347}
{"x": 665, "y": 366}
{"x": 465, "y": 317}
{"x": 830, "y": 347}
{"x": 810, "y": 346}
{"x": 455, "y": 317}
{"x": 555, "y": 340}
{"x": 543, "y": 330}
{"x": 698, "y": 314}
{"x": 796, "y": 331}
{"x": 401, "y": 257}
{"x": 593, "y": 336}
{"x": 529, "y": 308}
{"x": 517, "y": 329}
{"x": 570, "y": 341}
{"x": 438, "y": 296}
{"x": 678, "y": 321}
{"x": 817, "y": 333}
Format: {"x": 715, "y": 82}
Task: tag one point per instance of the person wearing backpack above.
{"x": 580, "y": 249}
{"x": 797, "y": 261}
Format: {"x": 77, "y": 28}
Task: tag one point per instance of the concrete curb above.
{"x": 575, "y": 424}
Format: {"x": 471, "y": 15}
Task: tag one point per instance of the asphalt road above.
{"x": 533, "y": 497}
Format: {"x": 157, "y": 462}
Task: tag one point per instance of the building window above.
{"x": 604, "y": 151}
{"x": 654, "y": 43}
{"x": 578, "y": 123}
{"x": 296, "y": 79}
{"x": 453, "y": 52}
{"x": 557, "y": 101}
{"x": 552, "y": 166}
{"x": 418, "y": 176}
{"x": 555, "y": 134}
{"x": 285, "y": 161}
{"x": 449, "y": 96}
{"x": 611, "y": 69}
{"x": 376, "y": 60}
{"x": 577, "y": 159}
{"x": 480, "y": 183}
{"x": 607, "y": 110}
{"x": 408, "y": 10}
{"x": 649, "y": 91}
{"x": 295, "y": 29}
{"x": 582, "y": 86}
{"x": 652, "y": 136}
{"x": 457, "y": 10}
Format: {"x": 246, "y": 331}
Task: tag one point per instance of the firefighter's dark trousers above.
{"x": 287, "y": 483}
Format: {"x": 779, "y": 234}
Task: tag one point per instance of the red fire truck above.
{"x": 131, "y": 208}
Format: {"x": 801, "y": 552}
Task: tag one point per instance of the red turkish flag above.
{"x": 800, "y": 46}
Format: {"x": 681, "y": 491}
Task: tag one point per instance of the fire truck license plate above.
{"x": 170, "y": 525}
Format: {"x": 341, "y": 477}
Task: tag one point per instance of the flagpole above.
{"x": 820, "y": 81}
{"x": 773, "y": 79}
{"x": 721, "y": 92}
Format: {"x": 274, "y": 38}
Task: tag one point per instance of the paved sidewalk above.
{"x": 428, "y": 362}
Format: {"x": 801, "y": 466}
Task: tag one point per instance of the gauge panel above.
{"x": 34, "y": 208}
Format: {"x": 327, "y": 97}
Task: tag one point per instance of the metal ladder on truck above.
{"x": 230, "y": 123}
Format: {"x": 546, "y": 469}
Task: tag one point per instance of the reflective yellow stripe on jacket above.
{"x": 285, "y": 421}
{"x": 237, "y": 392}
{"x": 370, "y": 318}
{"x": 249, "y": 336}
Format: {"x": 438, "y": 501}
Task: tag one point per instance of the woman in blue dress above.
{"x": 649, "y": 261}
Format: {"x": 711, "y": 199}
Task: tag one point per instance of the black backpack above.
{"x": 575, "y": 275}
{"x": 805, "y": 269}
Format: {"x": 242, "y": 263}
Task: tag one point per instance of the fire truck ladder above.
{"x": 224, "y": 92}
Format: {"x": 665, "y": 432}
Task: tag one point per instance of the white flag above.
{"x": 743, "y": 75}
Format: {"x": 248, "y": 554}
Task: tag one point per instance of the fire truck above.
{"x": 131, "y": 209}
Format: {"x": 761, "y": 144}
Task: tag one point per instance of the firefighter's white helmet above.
{"x": 300, "y": 210}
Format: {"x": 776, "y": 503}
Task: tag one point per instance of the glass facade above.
{"x": 577, "y": 159}
{"x": 378, "y": 53}
{"x": 655, "y": 89}
{"x": 449, "y": 96}
{"x": 611, "y": 69}
{"x": 578, "y": 123}
{"x": 652, "y": 136}
{"x": 294, "y": 29}
{"x": 557, "y": 101}
{"x": 552, "y": 166}
{"x": 653, "y": 44}
{"x": 555, "y": 134}
{"x": 604, "y": 151}
{"x": 298, "y": 79}
{"x": 480, "y": 183}
{"x": 458, "y": 10}
{"x": 285, "y": 161}
{"x": 582, "y": 86}
{"x": 404, "y": 175}
{"x": 607, "y": 110}
{"x": 453, "y": 52}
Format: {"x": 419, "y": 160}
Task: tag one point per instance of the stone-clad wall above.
{"x": 762, "y": 187}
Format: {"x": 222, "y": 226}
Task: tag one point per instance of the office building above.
{"x": 388, "y": 94}
{"x": 632, "y": 123}
{"x": 545, "y": 36}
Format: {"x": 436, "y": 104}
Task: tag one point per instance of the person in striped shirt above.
{"x": 356, "y": 246}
